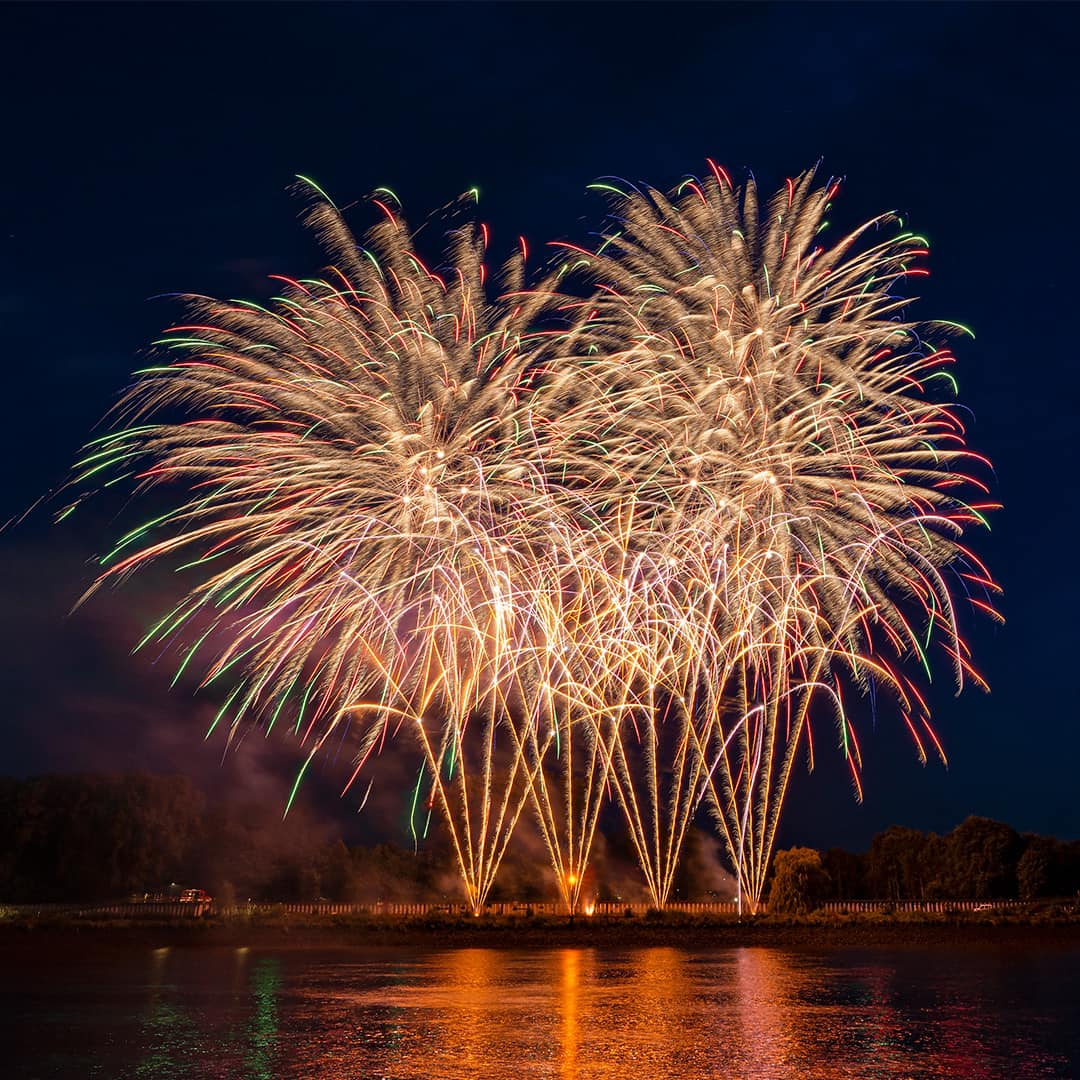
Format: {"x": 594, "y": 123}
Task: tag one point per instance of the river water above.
{"x": 575, "y": 1014}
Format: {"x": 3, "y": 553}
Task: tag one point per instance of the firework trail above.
{"x": 787, "y": 441}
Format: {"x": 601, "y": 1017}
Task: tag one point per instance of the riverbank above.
{"x": 817, "y": 931}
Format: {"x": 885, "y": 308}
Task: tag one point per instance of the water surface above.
{"x": 575, "y": 1014}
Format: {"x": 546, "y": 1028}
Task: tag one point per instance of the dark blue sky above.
{"x": 148, "y": 151}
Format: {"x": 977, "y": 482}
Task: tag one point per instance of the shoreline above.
{"x": 430, "y": 934}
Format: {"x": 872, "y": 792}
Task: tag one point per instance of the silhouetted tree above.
{"x": 904, "y": 864}
{"x": 847, "y": 874}
{"x": 336, "y": 872}
{"x": 1040, "y": 871}
{"x": 1070, "y": 868}
{"x": 799, "y": 882}
{"x": 980, "y": 859}
{"x": 90, "y": 837}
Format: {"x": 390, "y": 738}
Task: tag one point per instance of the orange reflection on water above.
{"x": 583, "y": 1014}
{"x": 571, "y": 964}
{"x": 761, "y": 991}
{"x": 474, "y": 975}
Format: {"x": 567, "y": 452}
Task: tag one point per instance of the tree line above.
{"x": 101, "y": 837}
{"x": 980, "y": 859}
{"x": 94, "y": 836}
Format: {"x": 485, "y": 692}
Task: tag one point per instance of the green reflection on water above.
{"x": 167, "y": 1030}
{"x": 263, "y": 1028}
{"x": 174, "y": 1042}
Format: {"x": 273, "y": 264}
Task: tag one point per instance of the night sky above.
{"x": 148, "y": 151}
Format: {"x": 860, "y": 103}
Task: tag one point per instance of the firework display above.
{"x": 625, "y": 532}
{"x": 798, "y": 483}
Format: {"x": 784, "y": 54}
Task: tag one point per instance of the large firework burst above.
{"x": 361, "y": 510}
{"x": 778, "y": 425}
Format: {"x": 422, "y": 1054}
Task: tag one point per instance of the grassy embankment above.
{"x": 1049, "y": 923}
